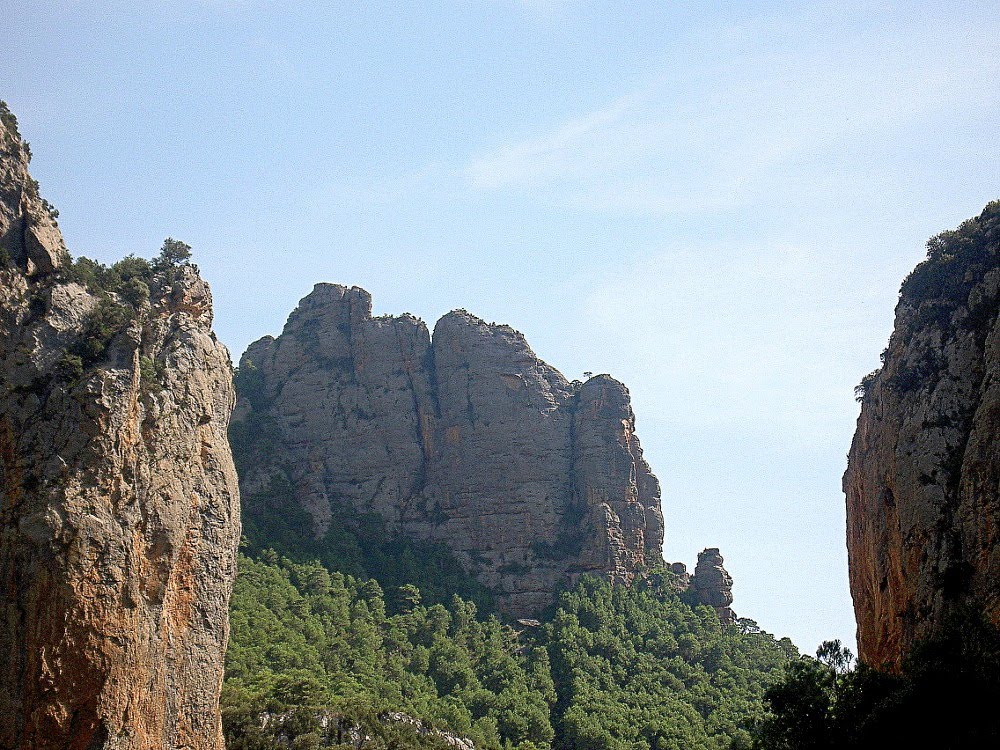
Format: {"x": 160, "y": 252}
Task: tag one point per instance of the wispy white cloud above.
{"x": 751, "y": 340}
{"x": 542, "y": 158}
{"x": 734, "y": 114}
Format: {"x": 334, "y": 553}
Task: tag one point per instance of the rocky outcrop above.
{"x": 334, "y": 730}
{"x": 465, "y": 438}
{"x": 29, "y": 236}
{"x": 712, "y": 585}
{"x": 118, "y": 503}
{"x": 923, "y": 507}
{"x": 681, "y": 577}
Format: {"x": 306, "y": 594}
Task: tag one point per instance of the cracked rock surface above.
{"x": 119, "y": 514}
{"x": 923, "y": 475}
{"x": 464, "y": 438}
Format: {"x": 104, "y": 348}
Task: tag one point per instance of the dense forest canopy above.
{"x": 609, "y": 668}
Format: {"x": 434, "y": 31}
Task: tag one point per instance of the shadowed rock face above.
{"x": 467, "y": 438}
{"x": 118, "y": 502}
{"x": 923, "y": 478}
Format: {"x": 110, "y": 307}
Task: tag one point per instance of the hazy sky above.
{"x": 713, "y": 202}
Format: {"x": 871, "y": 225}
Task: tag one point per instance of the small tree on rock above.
{"x": 173, "y": 253}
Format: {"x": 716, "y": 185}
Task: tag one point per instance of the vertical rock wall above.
{"x": 923, "y": 478}
{"x": 118, "y": 499}
{"x": 467, "y": 438}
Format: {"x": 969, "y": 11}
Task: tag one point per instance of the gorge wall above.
{"x": 465, "y": 438}
{"x": 923, "y": 477}
{"x": 119, "y": 514}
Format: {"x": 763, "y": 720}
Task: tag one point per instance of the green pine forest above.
{"x": 342, "y": 631}
{"x": 319, "y": 658}
{"x": 610, "y": 667}
{"x": 333, "y": 638}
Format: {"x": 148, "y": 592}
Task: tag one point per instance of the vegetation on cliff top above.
{"x": 610, "y": 668}
{"x": 122, "y": 290}
{"x": 957, "y": 261}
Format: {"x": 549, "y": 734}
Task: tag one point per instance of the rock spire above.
{"x": 118, "y": 496}
{"x": 713, "y": 585}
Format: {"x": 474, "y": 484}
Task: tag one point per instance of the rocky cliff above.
{"x": 923, "y": 478}
{"x": 464, "y": 438}
{"x": 118, "y": 497}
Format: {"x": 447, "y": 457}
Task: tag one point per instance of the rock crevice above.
{"x": 464, "y": 438}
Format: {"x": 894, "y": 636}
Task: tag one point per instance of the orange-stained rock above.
{"x": 118, "y": 502}
{"x": 923, "y": 477}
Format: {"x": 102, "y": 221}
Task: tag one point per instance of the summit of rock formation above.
{"x": 119, "y": 501}
{"x": 29, "y": 236}
{"x": 923, "y": 508}
{"x": 465, "y": 438}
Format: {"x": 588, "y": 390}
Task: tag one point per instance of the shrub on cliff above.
{"x": 131, "y": 275}
{"x": 956, "y": 261}
{"x": 123, "y": 290}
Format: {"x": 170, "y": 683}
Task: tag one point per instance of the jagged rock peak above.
{"x": 335, "y": 297}
{"x": 28, "y": 232}
{"x": 922, "y": 474}
{"x": 118, "y": 497}
{"x": 462, "y": 322}
{"x": 713, "y": 585}
{"x": 465, "y": 438}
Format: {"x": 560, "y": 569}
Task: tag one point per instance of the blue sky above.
{"x": 713, "y": 202}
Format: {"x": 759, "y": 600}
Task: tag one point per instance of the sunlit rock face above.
{"x": 713, "y": 585}
{"x": 923, "y": 478}
{"x": 119, "y": 513}
{"x": 465, "y": 438}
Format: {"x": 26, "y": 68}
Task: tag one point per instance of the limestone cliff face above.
{"x": 118, "y": 498}
{"x": 465, "y": 437}
{"x": 923, "y": 478}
